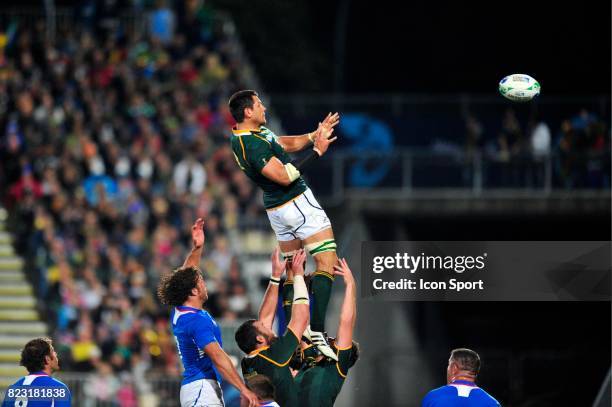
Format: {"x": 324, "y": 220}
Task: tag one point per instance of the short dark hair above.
{"x": 246, "y": 336}
{"x": 262, "y": 386}
{"x": 174, "y": 288}
{"x": 466, "y": 359}
{"x": 34, "y": 353}
{"x": 240, "y": 101}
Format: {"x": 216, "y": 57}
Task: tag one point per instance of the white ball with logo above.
{"x": 519, "y": 87}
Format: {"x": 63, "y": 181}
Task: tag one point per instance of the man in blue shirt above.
{"x": 38, "y": 388}
{"x": 461, "y": 390}
{"x": 197, "y": 335}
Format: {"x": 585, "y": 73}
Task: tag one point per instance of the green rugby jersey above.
{"x": 320, "y": 385}
{"x": 252, "y": 150}
{"x": 273, "y": 361}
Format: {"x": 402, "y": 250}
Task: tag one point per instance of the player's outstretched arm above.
{"x": 268, "y": 305}
{"x": 224, "y": 365}
{"x": 348, "y": 312}
{"x": 300, "y": 310}
{"x": 292, "y": 144}
{"x": 285, "y": 174}
{"x": 197, "y": 237}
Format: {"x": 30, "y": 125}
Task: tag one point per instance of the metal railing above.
{"x": 409, "y": 172}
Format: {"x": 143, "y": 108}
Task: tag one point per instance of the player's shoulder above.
{"x": 204, "y": 319}
{"x": 445, "y": 393}
{"x": 49, "y": 381}
{"x": 264, "y": 131}
{"x": 437, "y": 393}
{"x": 19, "y": 382}
{"x": 200, "y": 317}
{"x": 488, "y": 400}
{"x": 58, "y": 383}
{"x": 179, "y": 315}
{"x": 266, "y": 135}
{"x": 39, "y": 381}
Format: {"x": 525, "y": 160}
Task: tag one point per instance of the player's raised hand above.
{"x": 197, "y": 233}
{"x": 323, "y": 138}
{"x": 297, "y": 264}
{"x": 342, "y": 269}
{"x": 331, "y": 120}
{"x": 278, "y": 266}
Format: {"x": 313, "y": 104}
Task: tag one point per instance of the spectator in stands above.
{"x": 540, "y": 152}
{"x": 189, "y": 175}
{"x": 102, "y": 386}
{"x": 109, "y": 141}
{"x": 473, "y": 145}
{"x": 161, "y": 22}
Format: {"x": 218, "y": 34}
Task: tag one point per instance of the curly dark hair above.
{"x": 174, "y": 288}
{"x": 34, "y": 353}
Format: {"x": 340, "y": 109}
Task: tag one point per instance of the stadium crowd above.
{"x": 112, "y": 144}
{"x": 578, "y": 150}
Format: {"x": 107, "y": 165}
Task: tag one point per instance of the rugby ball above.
{"x": 519, "y": 87}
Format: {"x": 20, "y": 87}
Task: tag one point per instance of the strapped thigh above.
{"x": 322, "y": 246}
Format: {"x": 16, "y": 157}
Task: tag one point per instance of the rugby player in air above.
{"x": 295, "y": 215}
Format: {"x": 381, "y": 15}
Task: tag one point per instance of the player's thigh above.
{"x": 316, "y": 222}
{"x": 201, "y": 393}
{"x": 286, "y": 221}
{"x": 322, "y": 235}
{"x": 322, "y": 246}
{"x": 288, "y": 246}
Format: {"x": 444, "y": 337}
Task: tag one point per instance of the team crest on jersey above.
{"x": 268, "y": 134}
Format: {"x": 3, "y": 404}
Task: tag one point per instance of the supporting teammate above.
{"x": 461, "y": 390}
{"x": 38, "y": 388}
{"x": 321, "y": 383}
{"x": 295, "y": 215}
{"x": 197, "y": 335}
{"x": 268, "y": 354}
{"x": 263, "y": 387}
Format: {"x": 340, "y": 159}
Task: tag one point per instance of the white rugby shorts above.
{"x": 299, "y": 218}
{"x": 202, "y": 393}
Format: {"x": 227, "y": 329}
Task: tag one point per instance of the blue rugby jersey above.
{"x": 37, "y": 390}
{"x": 460, "y": 393}
{"x": 193, "y": 329}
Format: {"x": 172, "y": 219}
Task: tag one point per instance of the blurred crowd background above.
{"x": 114, "y": 140}
{"x": 112, "y": 145}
